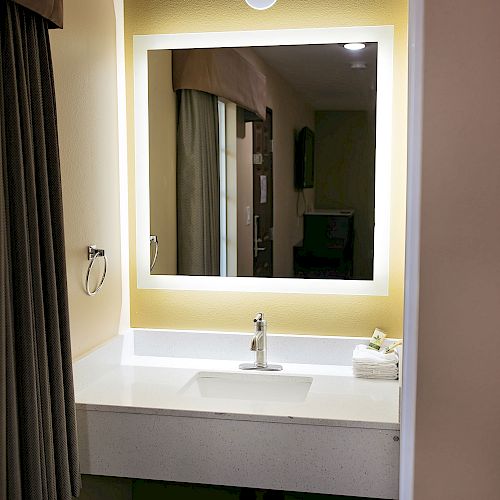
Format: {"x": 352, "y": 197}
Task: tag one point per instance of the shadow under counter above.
{"x": 115, "y": 488}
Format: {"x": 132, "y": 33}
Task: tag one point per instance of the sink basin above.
{"x": 248, "y": 386}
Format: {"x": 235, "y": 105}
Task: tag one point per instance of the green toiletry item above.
{"x": 377, "y": 339}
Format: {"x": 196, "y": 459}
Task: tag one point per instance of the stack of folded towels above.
{"x": 370, "y": 363}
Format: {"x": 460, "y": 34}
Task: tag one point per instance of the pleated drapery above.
{"x": 198, "y": 190}
{"x": 38, "y": 448}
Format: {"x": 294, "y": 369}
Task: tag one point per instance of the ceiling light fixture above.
{"x": 260, "y": 4}
{"x": 354, "y": 46}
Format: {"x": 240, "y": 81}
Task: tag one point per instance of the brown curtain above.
{"x": 38, "y": 448}
{"x": 198, "y": 192}
{"x": 52, "y": 10}
{"x": 223, "y": 72}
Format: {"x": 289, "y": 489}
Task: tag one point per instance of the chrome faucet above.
{"x": 259, "y": 345}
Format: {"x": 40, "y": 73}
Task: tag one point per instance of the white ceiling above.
{"x": 323, "y": 74}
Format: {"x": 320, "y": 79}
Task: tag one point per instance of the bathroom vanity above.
{"x": 169, "y": 405}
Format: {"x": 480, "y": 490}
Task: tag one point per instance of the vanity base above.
{"x": 253, "y": 454}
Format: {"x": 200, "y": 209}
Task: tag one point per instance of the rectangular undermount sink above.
{"x": 248, "y": 386}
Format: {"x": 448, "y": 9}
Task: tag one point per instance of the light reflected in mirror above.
{"x": 262, "y": 161}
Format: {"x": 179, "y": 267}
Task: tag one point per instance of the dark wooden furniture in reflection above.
{"x": 326, "y": 251}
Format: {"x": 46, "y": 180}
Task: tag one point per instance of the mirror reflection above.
{"x": 262, "y": 161}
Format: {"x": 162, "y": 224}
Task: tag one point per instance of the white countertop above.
{"x": 156, "y": 385}
{"x": 169, "y": 405}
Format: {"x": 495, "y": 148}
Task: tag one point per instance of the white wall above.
{"x": 245, "y": 199}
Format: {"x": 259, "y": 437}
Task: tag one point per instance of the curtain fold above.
{"x": 198, "y": 191}
{"x": 39, "y": 456}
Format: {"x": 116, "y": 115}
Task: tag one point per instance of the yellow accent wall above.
{"x": 287, "y": 313}
{"x": 84, "y": 58}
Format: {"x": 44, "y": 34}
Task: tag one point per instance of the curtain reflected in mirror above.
{"x": 262, "y": 161}
{"x": 198, "y": 193}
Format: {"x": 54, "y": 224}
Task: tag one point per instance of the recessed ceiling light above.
{"x": 260, "y": 4}
{"x": 354, "y": 46}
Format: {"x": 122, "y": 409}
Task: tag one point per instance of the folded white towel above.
{"x": 369, "y": 363}
{"x": 363, "y": 354}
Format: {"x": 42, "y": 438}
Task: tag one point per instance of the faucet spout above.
{"x": 259, "y": 346}
{"x": 259, "y": 343}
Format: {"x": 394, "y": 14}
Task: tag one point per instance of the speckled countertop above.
{"x": 153, "y": 385}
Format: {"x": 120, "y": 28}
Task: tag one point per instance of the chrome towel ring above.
{"x": 153, "y": 239}
{"x": 94, "y": 253}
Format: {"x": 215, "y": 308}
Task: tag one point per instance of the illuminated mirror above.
{"x": 268, "y": 160}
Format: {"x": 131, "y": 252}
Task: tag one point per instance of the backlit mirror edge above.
{"x": 379, "y": 286}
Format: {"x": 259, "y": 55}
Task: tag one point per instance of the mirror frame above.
{"x": 384, "y": 36}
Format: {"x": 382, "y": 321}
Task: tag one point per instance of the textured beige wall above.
{"x": 345, "y": 176}
{"x": 84, "y": 56}
{"x": 458, "y": 395}
{"x": 312, "y": 314}
{"x": 163, "y": 159}
{"x": 290, "y": 114}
